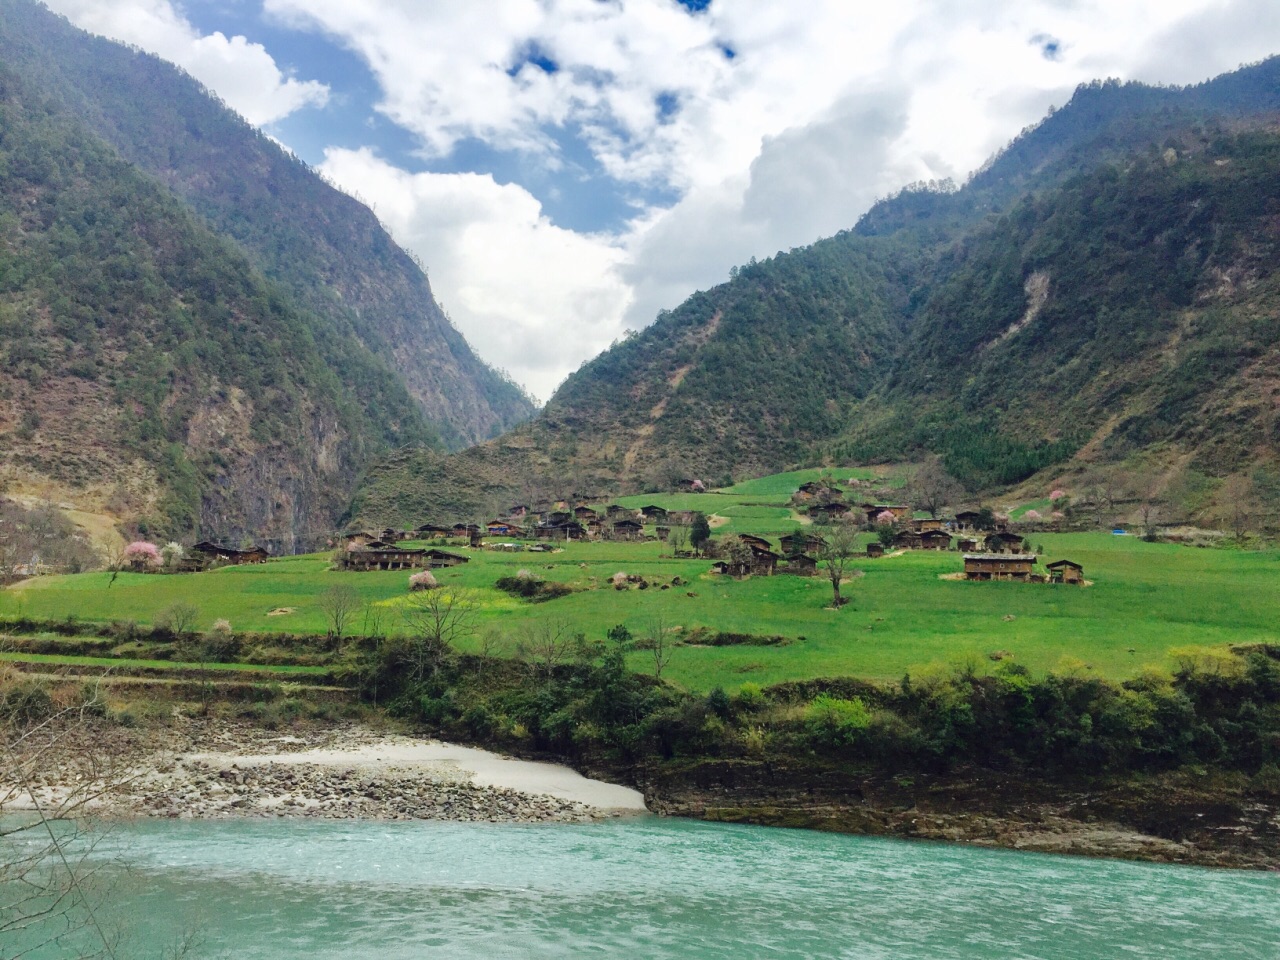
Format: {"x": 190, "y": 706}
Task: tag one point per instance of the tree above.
{"x": 659, "y": 644}
{"x": 546, "y": 644}
{"x": 339, "y": 604}
{"x": 678, "y": 539}
{"x": 437, "y": 620}
{"x": 1237, "y": 504}
{"x": 932, "y": 488}
{"x": 178, "y": 618}
{"x": 835, "y": 554}
{"x": 699, "y": 531}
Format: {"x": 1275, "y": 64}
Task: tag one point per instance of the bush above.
{"x": 836, "y": 722}
{"x": 26, "y": 702}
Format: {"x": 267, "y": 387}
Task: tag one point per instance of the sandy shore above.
{"x": 197, "y": 771}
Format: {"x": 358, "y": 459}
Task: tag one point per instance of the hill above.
{"x": 149, "y": 371}
{"x": 324, "y": 249}
{"x": 1084, "y": 295}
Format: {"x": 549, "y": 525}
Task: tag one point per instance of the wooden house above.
{"x": 585, "y": 514}
{"x": 998, "y": 566}
{"x": 500, "y": 528}
{"x": 569, "y": 530}
{"x": 925, "y": 525}
{"x": 463, "y": 530}
{"x": 1065, "y": 571}
{"x": 731, "y": 568}
{"x": 663, "y": 532}
{"x": 211, "y": 554}
{"x": 384, "y": 558}
{"x": 754, "y": 542}
{"x": 557, "y": 517}
{"x": 832, "y": 510}
{"x": 871, "y": 511}
{"x": 801, "y": 543}
{"x": 392, "y": 535}
{"x": 1003, "y": 542}
{"x": 652, "y": 512}
{"x": 626, "y": 530}
{"x": 816, "y": 490}
{"x": 429, "y": 530}
{"x": 968, "y": 520}
{"x": 436, "y": 559}
{"x": 967, "y": 545}
{"x": 519, "y": 511}
{"x": 875, "y": 549}
{"x": 935, "y": 540}
{"x": 763, "y": 561}
{"x": 681, "y": 518}
{"x": 800, "y": 565}
{"x": 616, "y": 511}
{"x": 907, "y": 540}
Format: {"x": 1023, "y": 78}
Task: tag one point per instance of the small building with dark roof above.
{"x": 875, "y": 549}
{"x": 999, "y": 566}
{"x": 1004, "y": 542}
{"x": 935, "y": 540}
{"x": 1065, "y": 571}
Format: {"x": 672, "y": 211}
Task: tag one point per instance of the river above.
{"x": 645, "y": 887}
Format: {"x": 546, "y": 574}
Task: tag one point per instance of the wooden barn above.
{"x": 654, "y": 513}
{"x": 900, "y": 511}
{"x": 999, "y": 566}
{"x": 435, "y": 559}
{"x": 207, "y": 554}
{"x": 1004, "y": 542}
{"x": 500, "y": 528}
{"x": 754, "y": 542}
{"x": 801, "y": 543}
{"x": 800, "y": 565}
{"x": 967, "y": 545}
{"x": 875, "y": 549}
{"x": 585, "y": 514}
{"x": 926, "y": 525}
{"x": 907, "y": 540}
{"x": 616, "y": 511}
{"x": 828, "y": 511}
{"x": 1065, "y": 571}
{"x": 763, "y": 562}
{"x": 383, "y": 558}
{"x": 430, "y": 530}
{"x": 626, "y": 530}
{"x": 968, "y": 520}
{"x": 935, "y": 540}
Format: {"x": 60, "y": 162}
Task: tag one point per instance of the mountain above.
{"x": 1104, "y": 286}
{"x": 148, "y": 370}
{"x": 324, "y": 249}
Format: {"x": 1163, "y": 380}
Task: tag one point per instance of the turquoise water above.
{"x": 650, "y": 888}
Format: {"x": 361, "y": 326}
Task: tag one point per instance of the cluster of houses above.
{"x": 760, "y": 559}
{"x": 207, "y": 555}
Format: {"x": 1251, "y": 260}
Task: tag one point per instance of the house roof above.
{"x": 1001, "y": 557}
{"x": 1063, "y": 563}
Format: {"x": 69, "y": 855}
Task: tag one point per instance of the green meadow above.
{"x": 1146, "y": 598}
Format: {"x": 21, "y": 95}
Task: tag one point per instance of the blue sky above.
{"x": 567, "y": 168}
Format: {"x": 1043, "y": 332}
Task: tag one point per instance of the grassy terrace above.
{"x": 1147, "y": 599}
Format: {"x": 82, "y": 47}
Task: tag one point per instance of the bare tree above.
{"x": 46, "y": 862}
{"x": 1237, "y": 505}
{"x": 678, "y": 539}
{"x": 437, "y": 620}
{"x": 545, "y": 645}
{"x": 178, "y": 618}
{"x": 659, "y": 644}
{"x": 930, "y": 487}
{"x": 835, "y": 554}
{"x": 339, "y": 604}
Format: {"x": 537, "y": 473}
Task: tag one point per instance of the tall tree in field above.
{"x": 699, "y": 531}
{"x": 834, "y": 556}
{"x": 932, "y": 489}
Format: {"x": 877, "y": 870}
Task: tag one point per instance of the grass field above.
{"x": 1146, "y": 599}
{"x": 123, "y": 663}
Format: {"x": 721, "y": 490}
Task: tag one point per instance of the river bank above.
{"x": 190, "y": 768}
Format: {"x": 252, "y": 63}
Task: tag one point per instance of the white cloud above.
{"x": 242, "y": 73}
{"x": 823, "y": 107}
{"x": 539, "y": 298}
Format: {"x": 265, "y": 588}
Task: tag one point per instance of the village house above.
{"x": 998, "y": 566}
{"x": 430, "y": 530}
{"x": 967, "y": 545}
{"x": 615, "y": 511}
{"x": 435, "y": 559}
{"x": 500, "y": 528}
{"x": 1065, "y": 571}
{"x": 754, "y": 542}
{"x": 816, "y": 490}
{"x": 383, "y": 558}
{"x": 800, "y": 565}
{"x": 654, "y": 513}
{"x": 681, "y": 518}
{"x": 828, "y": 511}
{"x": 731, "y": 568}
{"x": 926, "y": 524}
{"x": 801, "y": 543}
{"x": 763, "y": 562}
{"x": 207, "y": 554}
{"x": 1002, "y": 542}
{"x": 967, "y": 521}
{"x": 557, "y": 517}
{"x": 935, "y": 540}
{"x": 568, "y": 530}
{"x": 663, "y": 532}
{"x": 875, "y": 549}
{"x": 626, "y": 530}
{"x": 585, "y": 514}
{"x": 907, "y": 540}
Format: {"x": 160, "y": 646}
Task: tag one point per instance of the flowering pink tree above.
{"x": 142, "y": 555}
{"x": 1057, "y": 494}
{"x": 886, "y": 516}
{"x": 698, "y": 486}
{"x": 1031, "y": 516}
{"x": 1058, "y": 515}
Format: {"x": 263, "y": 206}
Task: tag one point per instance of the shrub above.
{"x": 836, "y": 722}
{"x": 221, "y": 642}
{"x": 750, "y": 697}
{"x": 423, "y": 580}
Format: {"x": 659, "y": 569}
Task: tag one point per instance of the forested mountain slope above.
{"x": 148, "y": 369}
{"x": 325, "y": 249}
{"x": 1105, "y": 284}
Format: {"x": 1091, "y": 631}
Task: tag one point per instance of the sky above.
{"x": 567, "y": 168}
